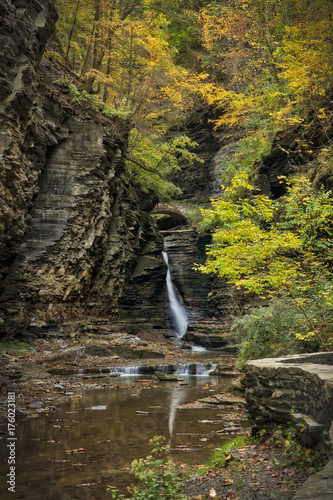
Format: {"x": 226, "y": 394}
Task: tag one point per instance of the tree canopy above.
{"x": 262, "y": 67}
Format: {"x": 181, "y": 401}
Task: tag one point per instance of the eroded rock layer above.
{"x": 76, "y": 236}
{"x": 25, "y": 132}
{"x": 72, "y": 227}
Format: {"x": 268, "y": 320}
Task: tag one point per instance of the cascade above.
{"x": 201, "y": 369}
{"x": 186, "y": 369}
{"x": 178, "y": 310}
{"x": 126, "y": 370}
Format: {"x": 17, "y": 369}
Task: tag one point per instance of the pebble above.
{"x": 37, "y": 404}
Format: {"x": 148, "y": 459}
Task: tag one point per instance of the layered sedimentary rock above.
{"x": 72, "y": 227}
{"x": 296, "y": 388}
{"x": 24, "y": 134}
{"x": 76, "y": 237}
{"x": 202, "y": 181}
{"x": 185, "y": 249}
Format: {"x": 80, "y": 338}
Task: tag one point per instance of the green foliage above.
{"x": 271, "y": 331}
{"x": 150, "y": 157}
{"x": 265, "y": 66}
{"x": 62, "y": 81}
{"x": 280, "y": 247}
{"x": 288, "y": 325}
{"x": 151, "y": 160}
{"x": 251, "y": 150}
{"x": 80, "y": 96}
{"x": 321, "y": 168}
{"x": 294, "y": 452}
{"x": 247, "y": 246}
{"x": 220, "y": 453}
{"x": 129, "y": 69}
{"x": 23, "y": 347}
{"x": 309, "y": 214}
{"x": 158, "y": 476}
{"x": 272, "y": 62}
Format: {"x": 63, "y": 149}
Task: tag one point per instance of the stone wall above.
{"x": 295, "y": 389}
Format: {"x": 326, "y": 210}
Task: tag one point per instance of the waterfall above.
{"x": 201, "y": 369}
{"x": 178, "y": 310}
{"x": 186, "y": 369}
{"x": 126, "y": 370}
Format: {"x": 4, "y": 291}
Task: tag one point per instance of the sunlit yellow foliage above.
{"x": 307, "y": 59}
{"x": 262, "y": 245}
{"x": 248, "y": 247}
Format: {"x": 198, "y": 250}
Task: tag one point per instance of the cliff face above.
{"x": 24, "y": 135}
{"x": 76, "y": 237}
{"x": 72, "y": 227}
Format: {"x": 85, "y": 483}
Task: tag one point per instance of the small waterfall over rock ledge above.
{"x": 185, "y": 369}
{"x": 178, "y": 310}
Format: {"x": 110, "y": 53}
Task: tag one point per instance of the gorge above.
{"x": 77, "y": 236}
{"x": 98, "y": 287}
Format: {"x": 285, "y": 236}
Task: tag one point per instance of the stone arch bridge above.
{"x": 175, "y": 215}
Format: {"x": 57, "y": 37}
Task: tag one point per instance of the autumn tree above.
{"x": 273, "y": 248}
{"x": 271, "y": 62}
{"x": 121, "y": 50}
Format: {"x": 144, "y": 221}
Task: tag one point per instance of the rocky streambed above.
{"x": 84, "y": 411}
{"x": 47, "y": 367}
{"x": 80, "y": 420}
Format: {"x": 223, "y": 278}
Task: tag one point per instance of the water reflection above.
{"x": 75, "y": 451}
{"x": 176, "y": 397}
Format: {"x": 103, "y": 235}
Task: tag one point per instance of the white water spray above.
{"x": 178, "y": 310}
{"x": 125, "y": 371}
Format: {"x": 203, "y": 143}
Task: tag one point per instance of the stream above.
{"x": 75, "y": 450}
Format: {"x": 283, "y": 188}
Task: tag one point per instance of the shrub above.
{"x": 158, "y": 477}
{"x": 294, "y": 451}
{"x": 271, "y": 331}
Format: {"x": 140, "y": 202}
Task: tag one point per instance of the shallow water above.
{"x": 103, "y": 423}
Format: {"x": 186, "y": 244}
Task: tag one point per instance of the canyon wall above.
{"x": 72, "y": 226}
{"x": 76, "y": 236}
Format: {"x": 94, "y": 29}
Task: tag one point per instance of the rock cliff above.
{"x": 76, "y": 236}
{"x": 72, "y": 227}
{"x": 24, "y": 131}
